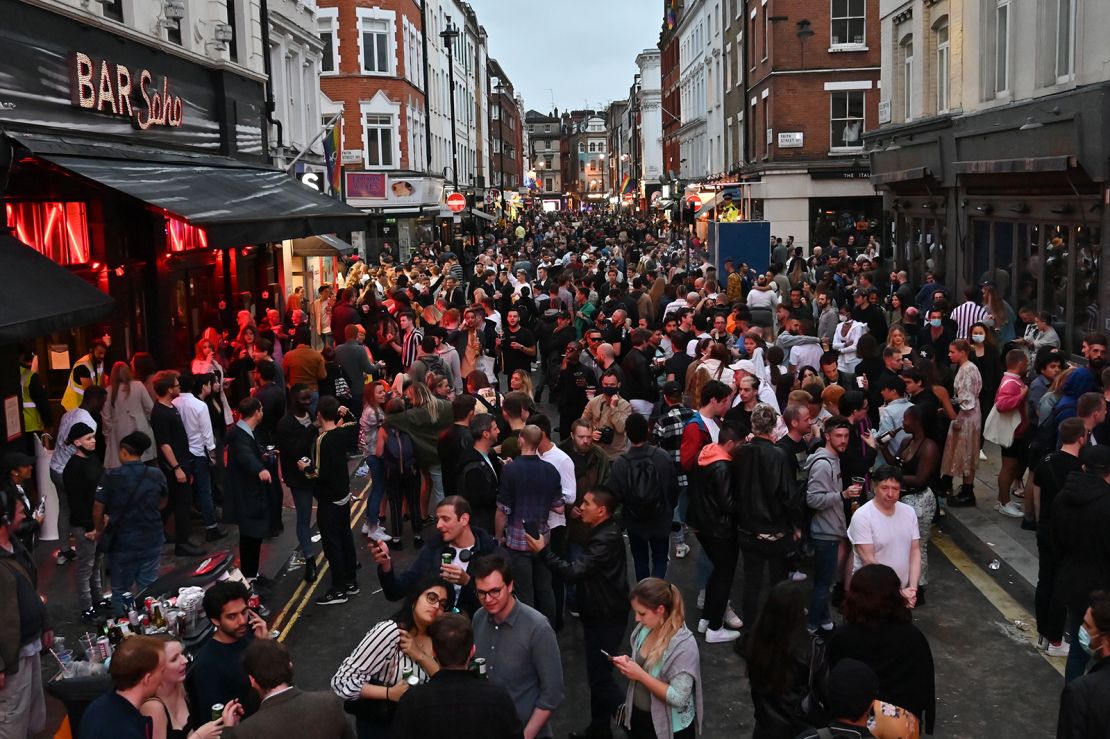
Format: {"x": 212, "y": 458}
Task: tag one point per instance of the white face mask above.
{"x": 978, "y": 338}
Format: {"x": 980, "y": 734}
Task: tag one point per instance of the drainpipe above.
{"x": 268, "y": 67}
{"x": 427, "y": 105}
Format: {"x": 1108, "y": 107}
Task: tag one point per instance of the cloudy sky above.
{"x": 579, "y": 52}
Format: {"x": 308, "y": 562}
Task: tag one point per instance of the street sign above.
{"x": 456, "y": 201}
{"x": 693, "y": 200}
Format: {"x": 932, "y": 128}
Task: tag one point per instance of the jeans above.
{"x": 88, "y": 569}
{"x": 377, "y": 490}
{"x": 704, "y": 569}
{"x": 924, "y": 504}
{"x": 532, "y": 583}
{"x": 1077, "y": 658}
{"x": 660, "y": 551}
{"x": 339, "y": 543}
{"x": 400, "y": 492}
{"x": 435, "y": 494}
{"x": 723, "y": 553}
{"x": 181, "y": 503}
{"x": 605, "y": 696}
{"x": 302, "y": 502}
{"x": 826, "y": 557}
{"x": 760, "y": 555}
{"x": 558, "y": 585}
{"x": 679, "y": 535}
{"x": 202, "y": 489}
{"x": 1050, "y": 616}
{"x": 131, "y": 568}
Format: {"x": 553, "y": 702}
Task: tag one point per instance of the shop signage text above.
{"x": 111, "y": 88}
{"x": 791, "y": 140}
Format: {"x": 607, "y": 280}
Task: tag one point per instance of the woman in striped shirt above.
{"x": 373, "y": 674}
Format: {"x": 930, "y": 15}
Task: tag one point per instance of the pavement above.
{"x": 991, "y": 680}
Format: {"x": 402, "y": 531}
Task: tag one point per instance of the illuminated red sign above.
{"x": 55, "y": 230}
{"x": 112, "y": 89}
{"x": 182, "y": 236}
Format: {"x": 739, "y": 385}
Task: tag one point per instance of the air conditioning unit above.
{"x": 224, "y": 33}
{"x": 173, "y": 9}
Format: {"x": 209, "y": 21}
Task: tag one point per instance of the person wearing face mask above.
{"x": 986, "y": 356}
{"x": 845, "y": 338}
{"x": 1085, "y": 702}
{"x": 936, "y": 336}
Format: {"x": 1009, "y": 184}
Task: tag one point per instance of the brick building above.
{"x": 545, "y": 154}
{"x": 812, "y": 89}
{"x": 671, "y": 105}
{"x": 506, "y": 132}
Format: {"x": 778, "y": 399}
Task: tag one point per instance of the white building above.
{"x": 651, "y": 115}
{"x": 295, "y": 58}
{"x": 701, "y": 90}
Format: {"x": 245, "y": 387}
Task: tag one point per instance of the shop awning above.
{"x": 28, "y": 276}
{"x": 901, "y": 175}
{"x": 321, "y": 245}
{"x": 235, "y": 202}
{"x": 1016, "y": 166}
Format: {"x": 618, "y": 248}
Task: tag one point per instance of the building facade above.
{"x": 992, "y": 155}
{"x": 296, "y": 51}
{"x": 544, "y": 133}
{"x": 649, "y": 106}
{"x": 585, "y": 166}
{"x": 670, "y": 89}
{"x": 506, "y": 133}
{"x": 693, "y": 42}
{"x": 734, "y": 99}
{"x": 812, "y": 86}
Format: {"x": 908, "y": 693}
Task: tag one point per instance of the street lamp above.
{"x": 449, "y": 34}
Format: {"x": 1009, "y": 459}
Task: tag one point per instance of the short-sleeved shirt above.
{"x": 169, "y": 429}
{"x": 138, "y": 528}
{"x": 515, "y": 359}
{"x": 112, "y": 715}
{"x": 892, "y": 537}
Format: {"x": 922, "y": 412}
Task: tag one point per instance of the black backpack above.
{"x": 398, "y": 461}
{"x": 644, "y": 500}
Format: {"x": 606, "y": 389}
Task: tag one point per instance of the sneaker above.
{"x": 732, "y": 621}
{"x": 352, "y": 589}
{"x": 982, "y": 456}
{"x": 573, "y": 612}
{"x": 1028, "y": 524}
{"x": 366, "y": 529}
{"x": 681, "y": 550}
{"x": 378, "y": 533}
{"x": 64, "y": 556}
{"x": 1057, "y": 650}
{"x": 798, "y": 576}
{"x": 331, "y": 598}
{"x": 1011, "y": 509}
{"x": 721, "y": 635}
{"x": 963, "y": 500}
{"x": 701, "y": 598}
{"x": 90, "y": 616}
{"x": 703, "y": 625}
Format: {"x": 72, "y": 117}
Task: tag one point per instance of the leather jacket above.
{"x": 713, "y": 510}
{"x": 768, "y": 500}
{"x": 600, "y": 573}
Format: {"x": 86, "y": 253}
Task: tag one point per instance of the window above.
{"x": 581, "y": 147}
{"x": 849, "y": 22}
{"x": 1002, "y": 47}
{"x": 547, "y": 144}
{"x": 1065, "y": 39}
{"x": 548, "y": 161}
{"x": 766, "y": 31}
{"x": 233, "y": 44}
{"x": 592, "y": 147}
{"x": 329, "y": 56}
{"x": 548, "y": 184}
{"x": 846, "y": 116}
{"x": 942, "y": 67}
{"x": 375, "y": 46}
{"x": 379, "y": 140}
{"x": 113, "y": 9}
{"x": 547, "y": 128}
{"x": 601, "y": 146}
{"x": 907, "y": 78}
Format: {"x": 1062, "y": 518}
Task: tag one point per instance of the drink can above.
{"x": 448, "y": 558}
{"x": 275, "y": 634}
{"x": 148, "y": 604}
{"x": 480, "y": 665}
{"x": 104, "y": 646}
{"x": 254, "y": 601}
{"x": 217, "y": 711}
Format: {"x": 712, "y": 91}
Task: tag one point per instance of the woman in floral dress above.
{"x": 961, "y": 450}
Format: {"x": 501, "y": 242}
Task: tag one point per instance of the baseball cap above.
{"x": 672, "y": 389}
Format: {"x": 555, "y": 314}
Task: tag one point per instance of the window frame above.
{"x": 329, "y": 17}
{"x": 366, "y": 17}
{"x": 834, "y": 149}
{"x": 1062, "y": 24}
{"x": 943, "y": 66}
{"x": 379, "y": 126}
{"x": 847, "y": 19}
{"x": 1002, "y": 48}
{"x": 906, "y": 49}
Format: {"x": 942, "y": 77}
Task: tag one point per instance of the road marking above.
{"x": 304, "y": 590}
{"x": 1010, "y": 609}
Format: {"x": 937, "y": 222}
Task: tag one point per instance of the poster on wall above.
{"x": 13, "y": 418}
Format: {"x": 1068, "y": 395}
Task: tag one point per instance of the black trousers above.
{"x": 605, "y": 696}
{"x": 762, "y": 555}
{"x": 399, "y": 492}
{"x": 181, "y": 502}
{"x": 1050, "y": 616}
{"x": 250, "y": 552}
{"x": 723, "y": 553}
{"x": 558, "y": 586}
{"x": 334, "y": 522}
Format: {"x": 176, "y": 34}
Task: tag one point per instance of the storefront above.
{"x": 144, "y": 173}
{"x": 1033, "y": 224}
{"x": 403, "y": 208}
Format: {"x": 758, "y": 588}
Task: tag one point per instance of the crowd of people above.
{"x": 806, "y": 425}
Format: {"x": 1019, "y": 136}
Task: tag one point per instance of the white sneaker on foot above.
{"x": 721, "y": 635}
{"x": 982, "y": 456}
{"x": 732, "y": 621}
{"x": 703, "y": 625}
{"x": 1058, "y": 650}
{"x": 681, "y": 550}
{"x": 701, "y": 598}
{"x": 1012, "y": 509}
{"x": 798, "y": 576}
{"x": 366, "y": 528}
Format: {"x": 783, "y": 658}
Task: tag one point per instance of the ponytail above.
{"x": 652, "y": 593}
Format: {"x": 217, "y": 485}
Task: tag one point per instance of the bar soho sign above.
{"x": 111, "y": 89}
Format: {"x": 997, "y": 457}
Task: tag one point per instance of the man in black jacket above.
{"x": 478, "y": 472}
{"x": 600, "y": 574}
{"x": 454, "y": 442}
{"x": 455, "y": 702}
{"x": 770, "y": 509}
{"x": 295, "y": 438}
{"x": 639, "y": 387}
{"x": 333, "y": 497}
{"x": 458, "y": 538}
{"x": 1085, "y": 703}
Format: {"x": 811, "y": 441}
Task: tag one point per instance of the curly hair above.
{"x": 874, "y": 598}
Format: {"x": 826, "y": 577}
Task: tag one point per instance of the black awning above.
{"x": 322, "y": 245}
{"x": 1016, "y": 166}
{"x": 901, "y": 175}
{"x": 39, "y": 296}
{"x": 235, "y": 202}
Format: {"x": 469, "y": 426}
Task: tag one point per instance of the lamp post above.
{"x": 449, "y": 34}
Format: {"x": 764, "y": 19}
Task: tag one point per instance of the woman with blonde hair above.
{"x": 521, "y": 381}
{"x": 664, "y": 699}
{"x": 127, "y": 410}
{"x": 169, "y": 710}
{"x": 207, "y": 362}
{"x": 961, "y": 450}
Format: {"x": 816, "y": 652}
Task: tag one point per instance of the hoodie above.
{"x": 823, "y": 496}
{"x": 1080, "y": 520}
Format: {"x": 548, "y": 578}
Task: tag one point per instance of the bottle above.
{"x": 157, "y": 618}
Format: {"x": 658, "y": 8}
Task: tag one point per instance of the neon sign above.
{"x": 55, "y": 230}
{"x": 182, "y": 236}
{"x": 110, "y": 88}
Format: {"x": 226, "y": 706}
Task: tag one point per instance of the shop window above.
{"x": 55, "y": 230}
{"x": 182, "y": 236}
{"x": 849, "y": 22}
{"x": 846, "y": 117}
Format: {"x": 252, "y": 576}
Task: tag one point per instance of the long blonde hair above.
{"x": 652, "y": 592}
{"x": 423, "y": 397}
{"x": 120, "y": 377}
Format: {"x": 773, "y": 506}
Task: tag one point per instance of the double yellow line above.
{"x": 291, "y": 613}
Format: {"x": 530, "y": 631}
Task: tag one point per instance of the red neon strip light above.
{"x": 58, "y": 230}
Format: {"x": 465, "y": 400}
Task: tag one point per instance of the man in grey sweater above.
{"x": 826, "y": 494}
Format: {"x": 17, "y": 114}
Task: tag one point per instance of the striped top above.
{"x": 377, "y": 658}
{"x": 966, "y": 315}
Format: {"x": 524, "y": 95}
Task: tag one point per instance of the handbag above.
{"x": 107, "y": 537}
{"x": 377, "y": 710}
{"x": 1000, "y": 426}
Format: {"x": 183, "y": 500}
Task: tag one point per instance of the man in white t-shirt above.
{"x": 884, "y": 531}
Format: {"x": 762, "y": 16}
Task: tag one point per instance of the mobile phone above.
{"x": 532, "y": 528}
{"x": 607, "y": 655}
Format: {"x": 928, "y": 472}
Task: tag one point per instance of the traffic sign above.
{"x": 456, "y": 201}
{"x": 694, "y": 200}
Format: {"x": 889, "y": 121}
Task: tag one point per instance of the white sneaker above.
{"x": 982, "y": 456}
{"x": 703, "y": 625}
{"x": 378, "y": 533}
{"x": 1053, "y": 650}
{"x": 721, "y": 635}
{"x": 701, "y": 598}
{"x": 798, "y": 576}
{"x": 366, "y": 528}
{"x": 1011, "y": 509}
{"x": 681, "y": 550}
{"x": 732, "y": 621}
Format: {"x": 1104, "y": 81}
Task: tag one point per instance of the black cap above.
{"x": 852, "y": 687}
{"x": 860, "y": 293}
{"x": 77, "y": 430}
{"x": 136, "y": 442}
{"x": 15, "y": 460}
{"x": 672, "y": 389}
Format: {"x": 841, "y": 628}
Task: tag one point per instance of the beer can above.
{"x": 148, "y": 604}
{"x": 104, "y": 646}
{"x": 217, "y": 711}
{"x": 448, "y": 558}
{"x": 480, "y": 665}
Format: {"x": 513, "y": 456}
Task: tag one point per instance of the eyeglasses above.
{"x": 492, "y": 593}
{"x": 433, "y": 599}
{"x": 593, "y": 338}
